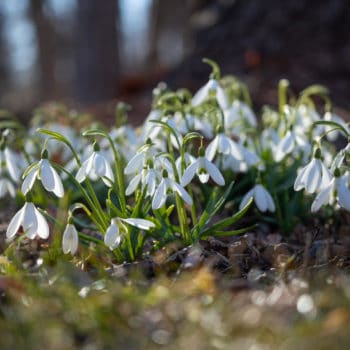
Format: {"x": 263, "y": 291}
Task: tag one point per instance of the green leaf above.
{"x": 230, "y": 233}
{"x": 192, "y": 135}
{"x": 315, "y": 90}
{"x": 222, "y": 224}
{"x": 214, "y": 205}
{"x": 95, "y": 132}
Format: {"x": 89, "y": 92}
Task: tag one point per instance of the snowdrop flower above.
{"x": 148, "y": 178}
{"x": 239, "y": 112}
{"x": 166, "y": 186}
{"x": 96, "y": 166}
{"x": 314, "y": 176}
{"x": 11, "y": 162}
{"x": 113, "y": 237}
{"x": 45, "y": 172}
{"x": 139, "y": 160}
{"x": 32, "y": 221}
{"x": 212, "y": 86}
{"x": 223, "y": 144}
{"x": 204, "y": 168}
{"x": 337, "y": 190}
{"x": 262, "y": 199}
{"x": 289, "y": 143}
{"x": 70, "y": 239}
{"x": 6, "y": 186}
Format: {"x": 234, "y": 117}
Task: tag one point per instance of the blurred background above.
{"x": 90, "y": 54}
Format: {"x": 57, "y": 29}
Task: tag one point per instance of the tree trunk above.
{"x": 96, "y": 50}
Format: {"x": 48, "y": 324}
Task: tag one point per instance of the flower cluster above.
{"x": 193, "y": 158}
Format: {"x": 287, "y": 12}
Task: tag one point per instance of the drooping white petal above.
{"x": 285, "y": 146}
{"x": 29, "y": 180}
{"x": 260, "y": 198}
{"x": 70, "y": 240}
{"x": 246, "y": 198}
{"x": 312, "y": 176}
{"x": 99, "y": 164}
{"x": 133, "y": 185}
{"x": 214, "y": 173}
{"x": 50, "y": 179}
{"x": 15, "y": 223}
{"x": 43, "y": 227}
{"x": 299, "y": 183}
{"x": 212, "y": 148}
{"x": 189, "y": 173}
{"x": 221, "y": 97}
{"x": 151, "y": 182}
{"x": 135, "y": 164}
{"x": 322, "y": 198}
{"x": 326, "y": 176}
{"x": 84, "y": 169}
{"x": 159, "y": 195}
{"x": 30, "y": 221}
{"x": 182, "y": 193}
{"x": 201, "y": 94}
{"x": 112, "y": 237}
{"x": 343, "y": 193}
{"x": 12, "y": 164}
{"x": 139, "y": 223}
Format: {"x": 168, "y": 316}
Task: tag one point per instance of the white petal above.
{"x": 326, "y": 176}
{"x": 285, "y": 146}
{"x": 15, "y": 223}
{"x": 159, "y": 196}
{"x": 151, "y": 182}
{"x": 84, "y": 169}
{"x": 133, "y": 185}
{"x": 12, "y": 164}
{"x": 343, "y": 194}
{"x": 236, "y": 151}
{"x": 29, "y": 180}
{"x": 135, "y": 163}
{"x": 212, "y": 148}
{"x": 43, "y": 227}
{"x": 260, "y": 198}
{"x": 222, "y": 98}
{"x": 182, "y": 193}
{"x": 112, "y": 237}
{"x": 312, "y": 176}
{"x": 70, "y": 240}
{"x": 108, "y": 177}
{"x": 214, "y": 173}
{"x": 203, "y": 177}
{"x": 300, "y": 180}
{"x": 50, "y": 179}
{"x": 30, "y": 221}
{"x": 322, "y": 198}
{"x": 139, "y": 223}
{"x": 99, "y": 164}
{"x": 246, "y": 198}
{"x": 201, "y": 95}
{"x": 189, "y": 173}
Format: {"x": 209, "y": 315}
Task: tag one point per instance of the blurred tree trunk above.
{"x": 96, "y": 50}
{"x": 46, "y": 50}
{"x": 170, "y": 34}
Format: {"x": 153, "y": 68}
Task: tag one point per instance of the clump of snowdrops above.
{"x": 191, "y": 171}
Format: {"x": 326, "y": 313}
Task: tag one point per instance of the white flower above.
{"x": 239, "y": 112}
{"x": 204, "y": 169}
{"x": 143, "y": 155}
{"x": 48, "y": 176}
{"x": 96, "y": 166}
{"x": 262, "y": 199}
{"x": 7, "y": 186}
{"x": 289, "y": 143}
{"x": 332, "y": 136}
{"x": 169, "y": 185}
{"x": 12, "y": 162}
{"x": 313, "y": 177}
{"x": 32, "y": 221}
{"x": 211, "y": 86}
{"x": 70, "y": 240}
{"x": 223, "y": 144}
{"x": 113, "y": 237}
{"x": 148, "y": 178}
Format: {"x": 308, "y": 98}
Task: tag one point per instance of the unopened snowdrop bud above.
{"x": 70, "y": 239}
{"x": 262, "y": 199}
